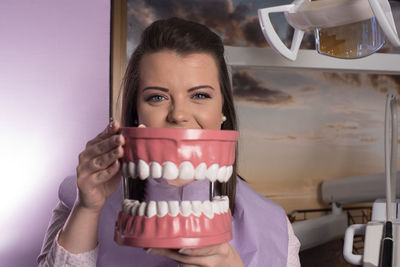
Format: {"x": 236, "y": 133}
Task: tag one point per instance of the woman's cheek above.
{"x": 210, "y": 119}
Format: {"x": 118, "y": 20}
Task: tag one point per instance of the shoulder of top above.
{"x": 67, "y": 191}
{"x": 249, "y": 197}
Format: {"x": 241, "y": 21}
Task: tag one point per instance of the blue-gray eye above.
{"x": 155, "y": 98}
{"x": 201, "y": 95}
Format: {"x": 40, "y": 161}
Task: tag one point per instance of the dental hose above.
{"x": 387, "y": 246}
{"x": 390, "y": 168}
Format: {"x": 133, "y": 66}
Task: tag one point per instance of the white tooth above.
{"x": 173, "y": 208}
{"x": 170, "y": 171}
{"x": 225, "y": 203}
{"x": 143, "y": 169}
{"x": 186, "y": 170}
{"x": 200, "y": 172}
{"x": 162, "y": 208}
{"x": 134, "y": 208}
{"x": 208, "y": 209}
{"x": 142, "y": 209}
{"x": 223, "y": 206}
{"x": 132, "y": 169}
{"x": 215, "y": 198}
{"x": 229, "y": 171}
{"x": 221, "y": 174}
{"x": 134, "y": 202}
{"x": 196, "y": 207}
{"x": 212, "y": 172}
{"x": 186, "y": 208}
{"x": 126, "y": 202}
{"x": 155, "y": 169}
{"x": 126, "y": 207}
{"x": 215, "y": 206}
{"x": 151, "y": 209}
{"x": 125, "y": 170}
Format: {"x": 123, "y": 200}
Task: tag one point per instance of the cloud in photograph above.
{"x": 385, "y": 83}
{"x": 219, "y": 15}
{"x": 294, "y": 137}
{"x": 232, "y": 23}
{"x": 252, "y": 32}
{"x": 341, "y": 126}
{"x": 246, "y": 87}
{"x": 308, "y": 41}
{"x": 252, "y": 134}
{"x": 347, "y": 109}
{"x": 346, "y": 78}
{"x": 369, "y": 139}
{"x": 364, "y": 137}
{"x": 308, "y": 89}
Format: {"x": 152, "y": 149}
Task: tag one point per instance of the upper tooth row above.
{"x": 170, "y": 171}
{"x": 219, "y": 205}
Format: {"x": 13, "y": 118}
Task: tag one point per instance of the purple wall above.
{"x": 54, "y": 75}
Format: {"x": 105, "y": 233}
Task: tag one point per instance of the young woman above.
{"x": 177, "y": 77}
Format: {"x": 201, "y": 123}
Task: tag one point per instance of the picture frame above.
{"x": 267, "y": 58}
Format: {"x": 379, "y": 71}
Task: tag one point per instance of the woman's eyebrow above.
{"x": 156, "y": 88}
{"x": 166, "y": 90}
{"x": 200, "y": 87}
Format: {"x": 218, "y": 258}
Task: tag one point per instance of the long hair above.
{"x": 183, "y": 37}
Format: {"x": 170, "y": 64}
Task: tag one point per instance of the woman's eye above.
{"x": 155, "y": 98}
{"x": 201, "y": 95}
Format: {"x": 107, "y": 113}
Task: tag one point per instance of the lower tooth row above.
{"x": 161, "y": 208}
{"x": 170, "y": 171}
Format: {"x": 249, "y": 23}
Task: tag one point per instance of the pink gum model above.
{"x": 167, "y": 226}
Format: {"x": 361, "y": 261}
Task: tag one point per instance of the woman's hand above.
{"x": 212, "y": 256}
{"x": 98, "y": 169}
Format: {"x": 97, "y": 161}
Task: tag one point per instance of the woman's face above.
{"x": 179, "y": 91}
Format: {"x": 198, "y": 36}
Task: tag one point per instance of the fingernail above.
{"x": 148, "y": 251}
{"x": 120, "y": 138}
{"x": 112, "y": 124}
{"x": 183, "y": 250}
{"x": 142, "y": 126}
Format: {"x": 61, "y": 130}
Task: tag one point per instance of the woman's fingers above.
{"x": 206, "y": 251}
{"x": 99, "y": 166}
{"x": 105, "y": 175}
{"x": 169, "y": 253}
{"x": 111, "y": 129}
{"x": 217, "y": 255}
{"x": 180, "y": 258}
{"x": 102, "y": 147}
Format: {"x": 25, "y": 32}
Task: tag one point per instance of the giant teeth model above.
{"x": 166, "y": 153}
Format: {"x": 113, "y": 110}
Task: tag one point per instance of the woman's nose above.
{"x": 178, "y": 113}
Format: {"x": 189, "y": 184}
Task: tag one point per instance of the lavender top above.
{"x": 261, "y": 233}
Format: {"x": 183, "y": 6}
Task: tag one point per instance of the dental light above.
{"x": 343, "y": 28}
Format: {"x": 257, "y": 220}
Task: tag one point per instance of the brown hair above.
{"x": 183, "y": 37}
